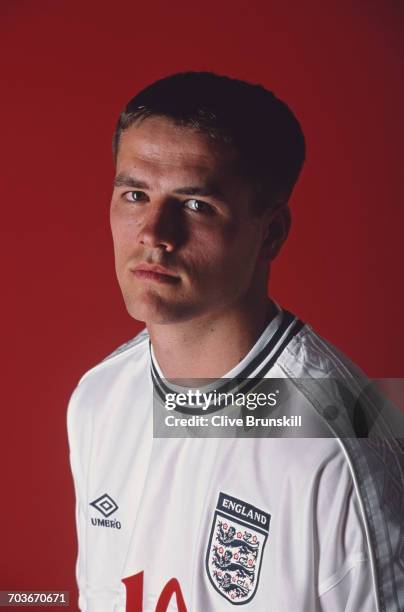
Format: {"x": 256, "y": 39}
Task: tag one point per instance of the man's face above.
{"x": 187, "y": 243}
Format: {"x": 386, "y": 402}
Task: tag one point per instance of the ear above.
{"x": 276, "y": 231}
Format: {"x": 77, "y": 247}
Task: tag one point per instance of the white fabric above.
{"x": 316, "y": 557}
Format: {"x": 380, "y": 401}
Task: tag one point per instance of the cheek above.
{"x": 124, "y": 232}
{"x": 221, "y": 254}
{"x": 240, "y": 257}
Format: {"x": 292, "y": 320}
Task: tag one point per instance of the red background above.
{"x": 69, "y": 68}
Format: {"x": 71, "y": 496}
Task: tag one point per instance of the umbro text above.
{"x": 97, "y": 522}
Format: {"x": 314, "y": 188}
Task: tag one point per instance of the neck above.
{"x": 209, "y": 346}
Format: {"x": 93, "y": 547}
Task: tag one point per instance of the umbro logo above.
{"x": 105, "y": 504}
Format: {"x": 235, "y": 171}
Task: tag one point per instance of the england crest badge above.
{"x": 235, "y": 549}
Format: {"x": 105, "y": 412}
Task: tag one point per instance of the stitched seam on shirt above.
{"x": 349, "y": 565}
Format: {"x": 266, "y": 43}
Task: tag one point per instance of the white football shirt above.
{"x": 268, "y": 524}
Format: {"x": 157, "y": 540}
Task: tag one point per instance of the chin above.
{"x": 152, "y": 309}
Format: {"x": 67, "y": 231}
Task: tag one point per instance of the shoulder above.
{"x": 129, "y": 359}
{"x": 335, "y": 387}
{"x": 133, "y": 350}
{"x": 309, "y": 354}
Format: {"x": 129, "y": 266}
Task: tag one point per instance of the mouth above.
{"x": 154, "y": 273}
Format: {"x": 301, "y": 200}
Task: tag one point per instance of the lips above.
{"x": 155, "y": 273}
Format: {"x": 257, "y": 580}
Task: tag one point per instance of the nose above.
{"x": 159, "y": 228}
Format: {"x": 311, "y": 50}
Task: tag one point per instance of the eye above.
{"x": 198, "y": 206}
{"x": 135, "y": 196}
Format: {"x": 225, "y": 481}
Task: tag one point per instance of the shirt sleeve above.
{"x": 80, "y": 495}
{"x": 351, "y": 589}
{"x": 345, "y": 572}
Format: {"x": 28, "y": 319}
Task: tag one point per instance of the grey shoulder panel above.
{"x": 359, "y": 416}
{"x": 315, "y": 357}
{"x": 141, "y": 337}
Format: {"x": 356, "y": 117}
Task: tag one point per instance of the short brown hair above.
{"x": 248, "y": 117}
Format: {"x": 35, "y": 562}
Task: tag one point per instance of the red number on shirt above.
{"x": 134, "y": 594}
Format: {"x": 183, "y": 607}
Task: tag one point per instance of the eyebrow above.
{"x": 125, "y": 180}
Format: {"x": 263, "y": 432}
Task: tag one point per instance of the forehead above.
{"x": 158, "y": 147}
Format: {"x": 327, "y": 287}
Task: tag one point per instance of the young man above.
{"x": 205, "y": 166}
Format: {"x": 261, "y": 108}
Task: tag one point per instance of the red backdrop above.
{"x": 69, "y": 68}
